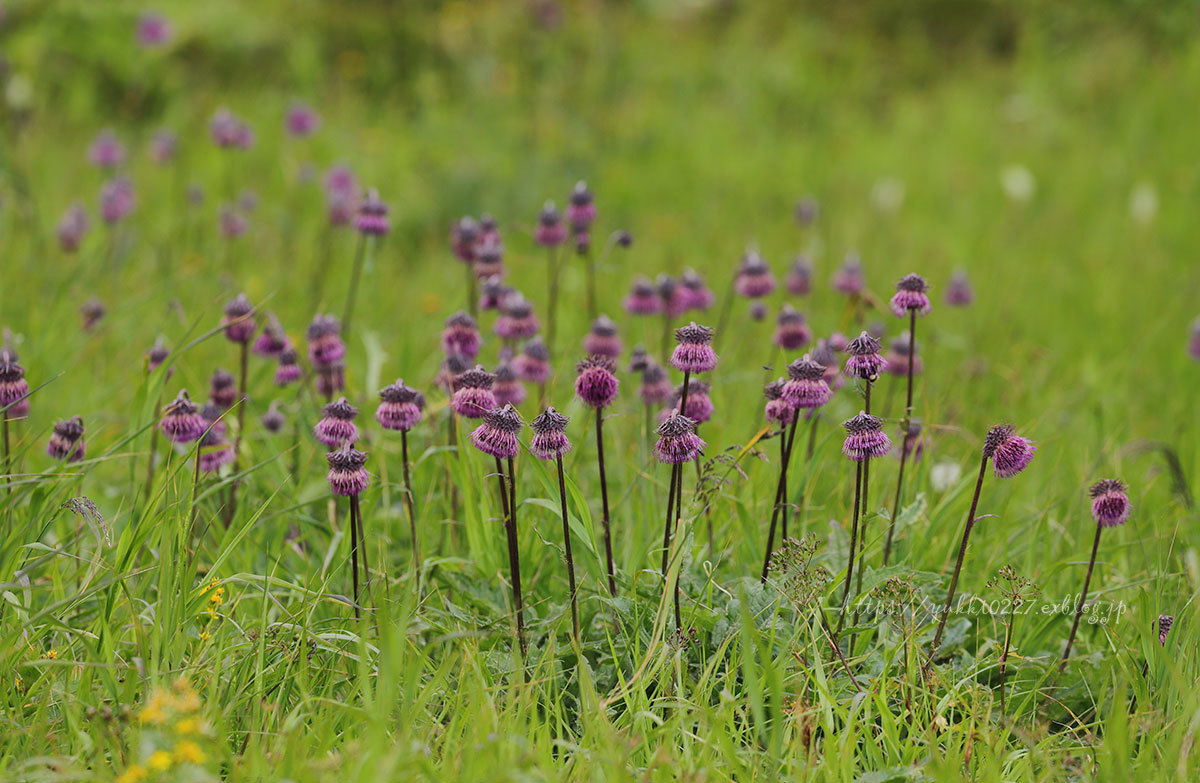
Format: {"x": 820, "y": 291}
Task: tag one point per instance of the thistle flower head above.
{"x": 533, "y": 362}
{"x": 399, "y": 407}
{"x": 865, "y": 438}
{"x": 473, "y": 396}
{"x": 1165, "y": 621}
{"x": 849, "y": 277}
{"x": 461, "y": 335}
{"x": 325, "y": 346}
{"x": 550, "y": 231}
{"x": 1009, "y": 452}
{"x": 516, "y": 321}
{"x": 693, "y": 352}
{"x": 777, "y": 409}
{"x": 273, "y": 340}
{"x": 959, "y": 292}
{"x": 347, "y": 476}
{"x": 655, "y": 388}
{"x": 549, "y": 435}
{"x": 221, "y": 388}
{"x": 273, "y": 420}
{"x": 288, "y": 370}
{"x": 452, "y": 366}
{"x": 806, "y": 386}
{"x": 897, "y": 357}
{"x": 693, "y": 292}
{"x": 301, "y": 120}
{"x": 699, "y": 403}
{"x": 157, "y": 354}
{"x": 215, "y": 450}
{"x": 865, "y": 361}
{"x": 464, "y": 234}
{"x": 181, "y": 421}
{"x": 107, "y": 151}
{"x": 799, "y": 277}
{"x": 677, "y": 440}
{"x": 153, "y": 30}
{"x": 489, "y": 258}
{"x": 229, "y": 132}
{"x": 581, "y": 208}
{"x": 754, "y": 279}
{"x": 163, "y": 146}
{"x": 596, "y": 383}
{"x": 643, "y": 298}
{"x": 497, "y": 435}
{"x": 1110, "y": 503}
{"x": 911, "y": 295}
{"x": 117, "y": 200}
{"x": 508, "y": 388}
{"x": 372, "y": 217}
{"x": 72, "y": 227}
{"x": 238, "y": 320}
{"x": 602, "y": 339}
{"x": 92, "y": 312}
{"x": 66, "y": 441}
{"x": 336, "y": 427}
{"x": 791, "y": 332}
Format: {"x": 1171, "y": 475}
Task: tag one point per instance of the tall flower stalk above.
{"x": 401, "y": 408}
{"x": 14, "y": 401}
{"x": 550, "y": 234}
{"x": 864, "y": 439}
{"x": 596, "y": 385}
{"x": 550, "y": 442}
{"x": 238, "y": 322}
{"x": 371, "y": 223}
{"x": 677, "y": 445}
{"x": 1016, "y": 591}
{"x": 348, "y": 478}
{"x": 1110, "y": 508}
{"x": 865, "y": 363}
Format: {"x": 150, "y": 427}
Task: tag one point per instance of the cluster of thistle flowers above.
{"x": 477, "y": 243}
{"x": 176, "y": 738}
{"x": 66, "y": 438}
{"x": 669, "y": 296}
{"x": 551, "y": 231}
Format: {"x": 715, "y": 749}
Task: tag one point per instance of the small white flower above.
{"x": 1143, "y": 203}
{"x": 944, "y": 475}
{"x": 1018, "y": 183}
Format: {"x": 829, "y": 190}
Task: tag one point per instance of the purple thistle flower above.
{"x": 865, "y": 361}
{"x": 340, "y": 208}
{"x": 222, "y": 390}
{"x": 677, "y": 441}
{"x": 581, "y": 208}
{"x": 807, "y": 210}
{"x": 331, "y": 380}
{"x": 213, "y": 415}
{"x": 464, "y": 235}
{"x": 163, "y": 146}
{"x": 473, "y": 396}
{"x": 301, "y": 120}
{"x": 336, "y": 427}
{"x": 865, "y": 438}
{"x": 533, "y": 363}
{"x": 656, "y": 388}
{"x": 288, "y": 370}
{"x": 372, "y": 216}
{"x": 273, "y": 420}
{"x": 325, "y": 346}
{"x": 758, "y": 311}
{"x": 913, "y": 445}
{"x": 66, "y": 441}
{"x": 516, "y": 321}
{"x": 497, "y": 435}
{"x": 347, "y": 476}
{"x": 117, "y": 200}
{"x": 157, "y": 354}
{"x": 1110, "y": 504}
{"x": 549, "y": 435}
{"x": 777, "y": 409}
{"x": 1165, "y": 621}
{"x": 489, "y": 229}
{"x": 754, "y": 279}
{"x": 72, "y": 227}
{"x": 340, "y": 179}
{"x": 399, "y": 407}
{"x": 897, "y": 357}
{"x": 849, "y": 277}
{"x": 671, "y": 298}
{"x": 639, "y": 359}
{"x": 596, "y": 384}
{"x": 643, "y": 299}
{"x": 152, "y": 30}
{"x": 693, "y": 352}
{"x": 910, "y": 295}
{"x": 508, "y": 389}
{"x": 106, "y": 152}
{"x": 451, "y": 367}
{"x": 494, "y": 292}
{"x": 231, "y": 223}
{"x": 461, "y": 335}
{"x": 959, "y": 292}
{"x": 602, "y": 339}
{"x": 273, "y": 341}
{"x": 791, "y": 332}
{"x": 238, "y": 320}
{"x": 694, "y": 292}
{"x": 550, "y": 231}
{"x": 181, "y": 422}
{"x": 489, "y": 258}
{"x": 228, "y": 132}
{"x": 1194, "y": 340}
{"x": 699, "y": 403}
{"x": 825, "y": 354}
{"x": 799, "y": 277}
{"x": 1009, "y": 452}
{"x": 806, "y": 386}
{"x": 215, "y": 450}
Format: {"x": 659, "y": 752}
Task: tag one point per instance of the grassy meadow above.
{"x": 167, "y": 631}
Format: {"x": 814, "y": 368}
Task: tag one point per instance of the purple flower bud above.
{"x": 215, "y": 450}
{"x": 452, "y": 366}
{"x": 228, "y": 132}
{"x": 331, "y": 379}
{"x": 959, "y": 292}
{"x": 273, "y": 341}
{"x": 106, "y": 152}
{"x": 461, "y": 335}
{"x": 602, "y": 339}
{"x": 677, "y": 441}
{"x": 238, "y": 320}
{"x": 489, "y": 229}
{"x": 181, "y": 422}
{"x": 489, "y": 259}
{"x": 671, "y": 297}
{"x": 301, "y": 120}
{"x": 914, "y": 445}
{"x": 1165, "y": 621}
{"x": 1110, "y": 504}
{"x": 806, "y": 386}
{"x": 910, "y": 295}
{"x": 372, "y": 217}
{"x": 849, "y": 278}
{"x": 336, "y": 427}
{"x": 493, "y": 293}
{"x": 549, "y": 435}
{"x": 581, "y": 208}
{"x": 693, "y": 292}
{"x": 222, "y": 390}
{"x": 497, "y": 435}
{"x": 791, "y": 332}
{"x": 153, "y": 30}
{"x": 116, "y": 200}
{"x": 516, "y": 321}
{"x": 347, "y": 476}
{"x": 825, "y": 354}
{"x": 1009, "y": 452}
{"x": 399, "y": 407}
{"x": 777, "y": 409}
{"x": 473, "y": 396}
{"x": 273, "y": 420}
{"x": 699, "y": 403}
{"x": 754, "y": 279}
{"x": 340, "y": 179}
{"x": 865, "y": 361}
{"x": 550, "y": 231}
{"x": 596, "y": 384}
{"x": 72, "y": 227}
{"x": 639, "y": 359}
{"x": 799, "y": 277}
{"x": 157, "y": 354}
{"x": 643, "y": 299}
{"x": 693, "y": 351}
{"x": 865, "y": 438}
{"x": 533, "y": 363}
{"x": 66, "y": 441}
{"x": 464, "y": 235}
{"x": 508, "y": 389}
{"x": 325, "y": 346}
{"x": 656, "y": 388}
{"x": 288, "y": 370}
{"x": 624, "y": 238}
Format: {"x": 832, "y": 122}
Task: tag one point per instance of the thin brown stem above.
{"x": 408, "y": 504}
{"x": 779, "y": 495}
{"x": 606, "y": 521}
{"x": 508, "y": 499}
{"x": 241, "y": 428}
{"x": 679, "y": 573}
{"x": 858, "y": 477}
{"x": 562, "y": 494}
{"x": 962, "y": 553}
{"x": 1087, "y": 581}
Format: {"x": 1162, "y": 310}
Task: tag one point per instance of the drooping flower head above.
{"x": 399, "y": 407}
{"x": 117, "y": 200}
{"x": 497, "y": 435}
{"x": 549, "y": 435}
{"x": 596, "y": 383}
{"x": 508, "y": 389}
{"x": 215, "y": 450}
{"x": 865, "y": 438}
{"x": 791, "y": 332}
{"x": 643, "y": 299}
{"x": 181, "y": 421}
{"x": 699, "y": 403}
{"x": 533, "y": 362}
{"x": 372, "y": 216}
{"x": 910, "y": 295}
{"x": 550, "y": 231}
{"x": 301, "y": 120}
{"x": 777, "y": 410}
{"x": 273, "y": 420}
{"x": 677, "y": 440}
{"x": 806, "y": 386}
{"x": 325, "y": 346}
{"x": 897, "y": 357}
{"x": 336, "y": 427}
{"x": 238, "y": 320}
{"x": 959, "y": 292}
{"x": 639, "y": 358}
{"x": 849, "y": 277}
{"x": 602, "y": 339}
{"x": 273, "y": 340}
{"x": 694, "y": 293}
{"x": 66, "y": 441}
{"x": 1110, "y": 504}
{"x": 14, "y": 389}
{"x": 461, "y": 335}
{"x": 107, "y": 152}
{"x": 493, "y": 292}
{"x": 221, "y": 388}
{"x": 157, "y": 354}
{"x": 72, "y": 227}
{"x": 473, "y": 396}
{"x": 670, "y": 295}
{"x": 693, "y": 350}
{"x": 656, "y": 388}
{"x": 288, "y": 370}
{"x": 516, "y": 321}
{"x": 489, "y": 259}
{"x": 754, "y": 279}
{"x": 1009, "y": 452}
{"x": 347, "y": 476}
{"x": 581, "y": 208}
{"x": 214, "y": 416}
{"x": 865, "y": 360}
{"x": 825, "y": 354}
{"x": 799, "y": 276}
{"x": 452, "y": 366}
{"x": 1165, "y": 621}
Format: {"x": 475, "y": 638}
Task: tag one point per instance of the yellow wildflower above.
{"x": 187, "y": 726}
{"x": 52, "y": 654}
{"x": 159, "y": 760}
{"x": 135, "y": 774}
{"x": 188, "y": 752}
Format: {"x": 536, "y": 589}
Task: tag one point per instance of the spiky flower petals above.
{"x": 596, "y": 384}
{"x": 461, "y": 335}
{"x": 791, "y": 332}
{"x": 694, "y": 352}
{"x": 699, "y": 403}
{"x": 399, "y": 407}
{"x": 678, "y": 441}
{"x": 372, "y": 217}
{"x": 221, "y": 388}
{"x": 910, "y": 295}
{"x": 347, "y": 476}
{"x": 1009, "y": 452}
{"x": 533, "y": 362}
{"x": 1110, "y": 504}
{"x": 336, "y": 427}
{"x": 215, "y": 450}
{"x": 777, "y": 410}
{"x": 288, "y": 370}
{"x": 325, "y": 346}
{"x": 865, "y": 438}
{"x": 473, "y": 396}
{"x": 643, "y": 299}
{"x": 497, "y": 435}
{"x": 1165, "y": 621}
{"x": 273, "y": 341}
{"x": 181, "y": 421}
{"x": 602, "y": 339}
{"x": 806, "y": 386}
{"x": 66, "y": 441}
{"x": 238, "y": 320}
{"x": 14, "y": 389}
{"x": 516, "y": 321}
{"x": 550, "y": 231}
{"x": 754, "y": 279}
{"x": 865, "y": 361}
{"x": 549, "y": 435}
